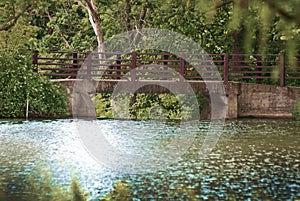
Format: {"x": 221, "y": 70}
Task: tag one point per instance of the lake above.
{"x": 252, "y": 160}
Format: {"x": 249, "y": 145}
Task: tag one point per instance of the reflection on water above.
{"x": 253, "y": 159}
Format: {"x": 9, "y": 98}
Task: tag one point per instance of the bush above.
{"x": 120, "y": 192}
{"x": 166, "y": 106}
{"x": 19, "y": 82}
{"x": 102, "y": 105}
{"x": 146, "y": 106}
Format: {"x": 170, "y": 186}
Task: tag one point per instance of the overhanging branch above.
{"x": 287, "y": 16}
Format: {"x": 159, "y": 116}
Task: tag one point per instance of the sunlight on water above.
{"x": 253, "y": 159}
{"x": 57, "y": 146}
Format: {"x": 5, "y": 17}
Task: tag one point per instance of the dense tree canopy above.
{"x": 218, "y": 25}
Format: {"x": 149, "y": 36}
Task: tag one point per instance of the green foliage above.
{"x": 21, "y": 36}
{"x": 42, "y": 188}
{"x": 63, "y": 25}
{"x": 102, "y": 105}
{"x": 16, "y": 29}
{"x": 191, "y": 19}
{"x": 252, "y": 26}
{"x": 76, "y": 191}
{"x": 19, "y": 82}
{"x": 120, "y": 192}
{"x": 164, "y": 106}
{"x": 146, "y": 106}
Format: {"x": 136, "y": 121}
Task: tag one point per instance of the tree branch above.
{"x": 95, "y": 21}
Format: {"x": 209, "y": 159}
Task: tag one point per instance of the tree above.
{"x": 219, "y": 25}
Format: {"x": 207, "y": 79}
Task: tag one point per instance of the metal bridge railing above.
{"x": 258, "y": 68}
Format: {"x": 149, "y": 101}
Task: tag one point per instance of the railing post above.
{"x": 118, "y": 66}
{"x": 35, "y": 60}
{"x": 75, "y": 60}
{"x": 88, "y": 65}
{"x": 282, "y": 69}
{"x": 259, "y": 74}
{"x": 226, "y": 67}
{"x": 181, "y": 70}
{"x": 133, "y": 66}
{"x": 165, "y": 58}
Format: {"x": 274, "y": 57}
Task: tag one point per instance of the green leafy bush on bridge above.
{"x": 19, "y": 82}
{"x": 146, "y": 106}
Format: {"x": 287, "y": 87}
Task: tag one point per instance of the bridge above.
{"x": 256, "y": 85}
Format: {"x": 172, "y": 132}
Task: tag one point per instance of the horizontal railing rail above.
{"x": 258, "y": 68}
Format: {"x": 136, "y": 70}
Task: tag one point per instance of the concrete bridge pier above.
{"x": 232, "y": 93}
{"x": 241, "y": 99}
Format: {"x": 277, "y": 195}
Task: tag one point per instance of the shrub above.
{"x": 120, "y": 192}
{"x": 19, "y": 82}
{"x": 146, "y": 106}
{"x": 102, "y": 105}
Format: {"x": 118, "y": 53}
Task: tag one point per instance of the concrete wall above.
{"x": 241, "y": 99}
{"x": 256, "y": 100}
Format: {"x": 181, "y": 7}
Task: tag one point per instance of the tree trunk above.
{"x": 96, "y": 23}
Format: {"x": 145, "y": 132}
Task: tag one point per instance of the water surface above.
{"x": 254, "y": 159}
